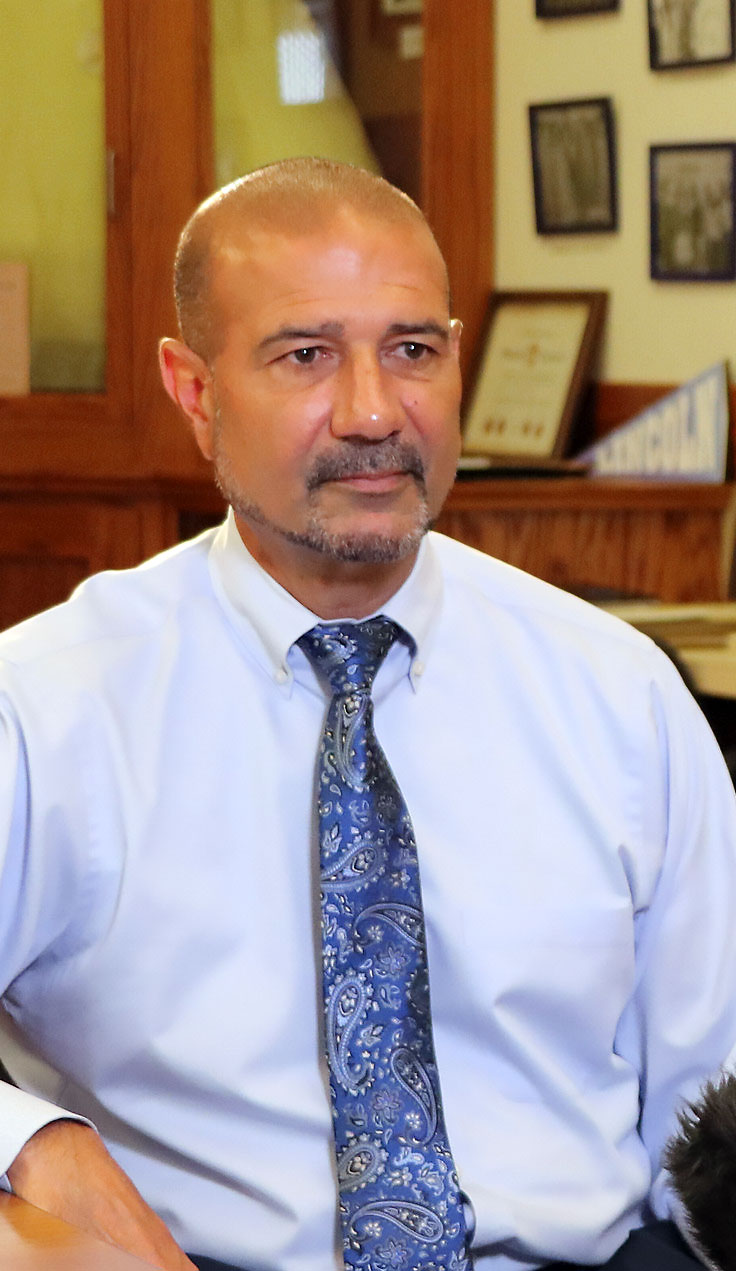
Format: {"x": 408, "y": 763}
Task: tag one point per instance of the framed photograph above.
{"x": 571, "y": 8}
{"x": 574, "y": 166}
{"x": 693, "y": 192}
{"x": 690, "y": 32}
{"x": 536, "y": 359}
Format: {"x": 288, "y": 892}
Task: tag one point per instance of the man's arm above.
{"x": 59, "y": 1165}
{"x": 683, "y": 1027}
{"x": 66, "y": 1170}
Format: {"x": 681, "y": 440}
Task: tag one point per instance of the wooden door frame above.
{"x": 457, "y": 150}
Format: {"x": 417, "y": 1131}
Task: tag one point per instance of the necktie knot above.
{"x": 349, "y": 653}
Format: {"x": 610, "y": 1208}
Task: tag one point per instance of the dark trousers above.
{"x": 656, "y": 1248}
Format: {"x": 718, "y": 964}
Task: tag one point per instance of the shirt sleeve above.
{"x": 22, "y": 1114}
{"x": 683, "y": 1025}
{"x": 21, "y": 930}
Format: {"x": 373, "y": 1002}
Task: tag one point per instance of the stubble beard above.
{"x": 352, "y": 459}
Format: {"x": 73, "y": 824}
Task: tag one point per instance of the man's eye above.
{"x": 305, "y": 356}
{"x": 414, "y": 351}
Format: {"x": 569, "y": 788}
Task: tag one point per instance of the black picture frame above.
{"x": 686, "y": 33}
{"x": 573, "y": 8}
{"x": 574, "y": 166}
{"x": 693, "y": 211}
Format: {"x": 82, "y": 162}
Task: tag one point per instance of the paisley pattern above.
{"x": 407, "y": 921}
{"x": 416, "y": 1220}
{"x": 417, "y": 1082}
{"x": 400, "y": 1204}
{"x": 346, "y": 1005}
{"x": 354, "y": 868}
{"x": 360, "y": 1163}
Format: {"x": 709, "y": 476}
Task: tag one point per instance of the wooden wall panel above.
{"x": 51, "y": 542}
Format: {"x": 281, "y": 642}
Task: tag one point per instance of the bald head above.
{"x": 291, "y": 197}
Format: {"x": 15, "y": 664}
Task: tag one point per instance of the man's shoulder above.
{"x": 487, "y": 586}
{"x": 115, "y": 606}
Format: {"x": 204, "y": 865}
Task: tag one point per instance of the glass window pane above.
{"x": 277, "y": 92}
{"x": 52, "y": 215}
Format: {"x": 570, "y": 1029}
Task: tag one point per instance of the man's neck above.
{"x": 329, "y": 588}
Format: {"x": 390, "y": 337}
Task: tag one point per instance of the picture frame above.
{"x": 691, "y": 33}
{"x": 536, "y": 358}
{"x": 693, "y": 211}
{"x": 573, "y": 8}
{"x": 574, "y": 166}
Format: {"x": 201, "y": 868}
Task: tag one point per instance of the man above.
{"x": 573, "y": 819}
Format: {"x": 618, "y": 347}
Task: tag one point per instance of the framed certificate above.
{"x": 536, "y": 359}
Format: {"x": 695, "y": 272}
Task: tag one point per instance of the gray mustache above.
{"x": 355, "y": 459}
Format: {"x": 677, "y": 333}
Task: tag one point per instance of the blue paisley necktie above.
{"x": 400, "y": 1205}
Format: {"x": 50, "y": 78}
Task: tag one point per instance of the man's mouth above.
{"x": 375, "y": 482}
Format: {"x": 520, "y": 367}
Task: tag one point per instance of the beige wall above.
{"x": 657, "y": 332}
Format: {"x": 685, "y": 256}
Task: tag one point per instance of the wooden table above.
{"x": 671, "y": 540}
{"x": 31, "y": 1240}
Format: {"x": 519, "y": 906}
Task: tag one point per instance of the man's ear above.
{"x": 188, "y": 381}
{"x": 456, "y": 330}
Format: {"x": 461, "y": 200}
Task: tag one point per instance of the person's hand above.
{"x": 66, "y": 1170}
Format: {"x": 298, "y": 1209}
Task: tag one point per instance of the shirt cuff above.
{"x": 21, "y": 1115}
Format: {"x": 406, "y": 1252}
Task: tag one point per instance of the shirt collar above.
{"x": 269, "y": 620}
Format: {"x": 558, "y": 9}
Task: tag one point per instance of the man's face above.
{"x": 335, "y": 393}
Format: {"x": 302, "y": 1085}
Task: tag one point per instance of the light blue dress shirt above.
{"x": 576, "y": 834}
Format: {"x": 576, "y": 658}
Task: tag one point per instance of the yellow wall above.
{"x": 658, "y": 332}
{"x": 52, "y": 209}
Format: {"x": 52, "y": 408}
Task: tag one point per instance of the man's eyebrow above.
{"x": 430, "y": 327}
{"x": 325, "y": 330}
{"x": 335, "y": 331}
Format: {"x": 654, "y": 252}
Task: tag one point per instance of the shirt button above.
{"x": 282, "y": 675}
{"x": 418, "y": 668}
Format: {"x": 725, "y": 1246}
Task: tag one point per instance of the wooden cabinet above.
{"x": 62, "y": 453}
{"x": 673, "y": 541}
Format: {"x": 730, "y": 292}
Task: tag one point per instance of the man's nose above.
{"x": 366, "y": 402}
